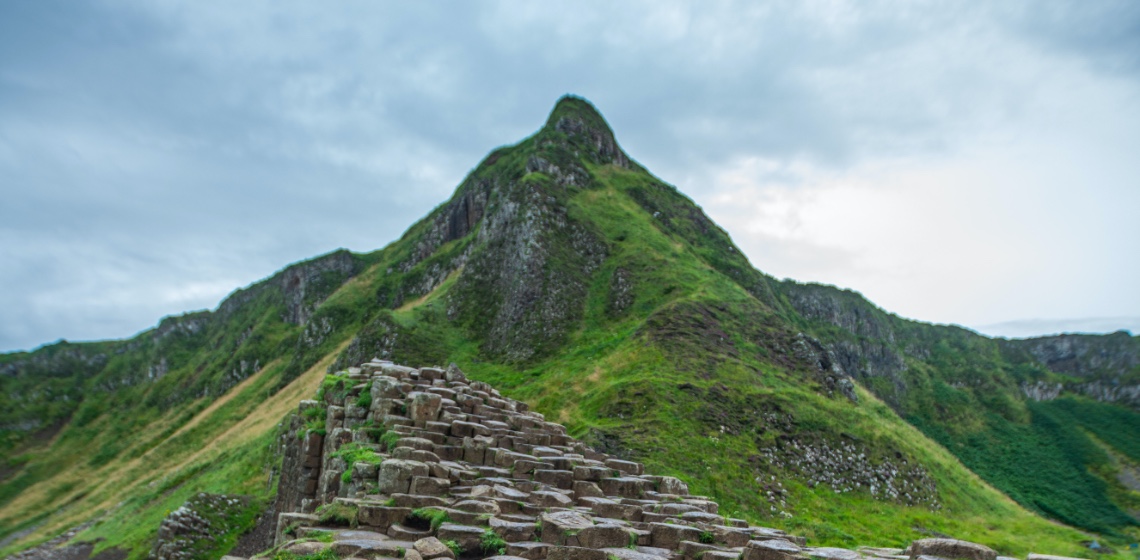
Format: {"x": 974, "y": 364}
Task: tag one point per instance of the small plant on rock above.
{"x": 389, "y": 439}
{"x": 492, "y": 543}
{"x": 707, "y": 537}
{"x": 433, "y": 517}
{"x": 454, "y": 546}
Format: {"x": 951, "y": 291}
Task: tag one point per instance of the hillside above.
{"x": 569, "y": 277}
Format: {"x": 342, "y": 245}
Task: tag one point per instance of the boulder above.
{"x": 431, "y": 548}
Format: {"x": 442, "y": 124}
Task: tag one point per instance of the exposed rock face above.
{"x": 1041, "y": 391}
{"x": 1084, "y": 355}
{"x": 303, "y": 286}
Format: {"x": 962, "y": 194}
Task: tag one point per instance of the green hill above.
{"x": 568, "y": 276}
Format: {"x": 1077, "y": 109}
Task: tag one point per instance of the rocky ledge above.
{"x": 423, "y": 464}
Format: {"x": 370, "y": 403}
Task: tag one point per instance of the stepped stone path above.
{"x": 452, "y": 469}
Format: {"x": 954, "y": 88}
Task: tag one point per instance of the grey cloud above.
{"x": 197, "y": 141}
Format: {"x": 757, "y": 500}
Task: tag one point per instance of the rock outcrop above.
{"x": 423, "y": 463}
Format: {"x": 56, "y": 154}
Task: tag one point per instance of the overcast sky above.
{"x": 973, "y": 163}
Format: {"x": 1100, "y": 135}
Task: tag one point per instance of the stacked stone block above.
{"x": 497, "y": 469}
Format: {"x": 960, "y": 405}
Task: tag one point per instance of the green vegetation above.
{"x": 491, "y": 543}
{"x": 343, "y": 515}
{"x": 326, "y": 554}
{"x": 431, "y": 517}
{"x": 352, "y": 453}
{"x": 609, "y": 302}
{"x": 454, "y": 546}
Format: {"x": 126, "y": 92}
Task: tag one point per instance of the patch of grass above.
{"x": 454, "y": 546}
{"x": 337, "y": 514}
{"x": 352, "y": 453}
{"x": 390, "y": 439}
{"x": 492, "y": 543}
{"x": 707, "y": 537}
{"x": 432, "y": 517}
{"x": 364, "y": 400}
{"x": 326, "y": 554}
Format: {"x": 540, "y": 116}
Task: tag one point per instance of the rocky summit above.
{"x": 596, "y": 295}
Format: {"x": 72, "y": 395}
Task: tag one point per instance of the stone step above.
{"x": 400, "y": 531}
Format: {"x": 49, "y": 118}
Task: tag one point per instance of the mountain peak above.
{"x": 572, "y": 107}
{"x": 582, "y": 123}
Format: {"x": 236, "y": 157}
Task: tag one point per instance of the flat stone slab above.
{"x": 950, "y": 548}
{"x": 631, "y": 554}
{"x": 828, "y": 553}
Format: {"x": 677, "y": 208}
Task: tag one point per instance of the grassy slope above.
{"x": 612, "y": 369}
{"x": 963, "y": 392}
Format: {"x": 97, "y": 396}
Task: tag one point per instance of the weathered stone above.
{"x": 478, "y": 506}
{"x": 826, "y": 553}
{"x": 585, "y": 489}
{"x": 469, "y": 429}
{"x": 624, "y": 487}
{"x": 635, "y": 554}
{"x": 363, "y": 548}
{"x": 720, "y": 555}
{"x": 627, "y": 467}
{"x": 528, "y": 550}
{"x": 592, "y": 473}
{"x": 467, "y": 536}
{"x": 603, "y": 536}
{"x": 950, "y": 548}
{"x": 693, "y": 550}
{"x": 775, "y": 549}
{"x": 512, "y": 531}
{"x": 671, "y": 485}
{"x": 605, "y": 507}
{"x": 431, "y": 548}
{"x": 380, "y": 516}
{"x": 574, "y": 553}
{"x": 396, "y": 475}
{"x": 429, "y": 486}
{"x": 509, "y": 493}
{"x": 557, "y": 479}
{"x": 668, "y": 535}
{"x": 417, "y": 443}
{"x": 546, "y": 499}
{"x": 562, "y": 527}
{"x": 423, "y": 407}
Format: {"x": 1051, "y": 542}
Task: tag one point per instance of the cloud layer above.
{"x": 955, "y": 163}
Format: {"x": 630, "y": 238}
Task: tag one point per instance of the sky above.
{"x": 973, "y": 163}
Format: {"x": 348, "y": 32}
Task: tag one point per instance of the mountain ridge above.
{"x": 571, "y": 278}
